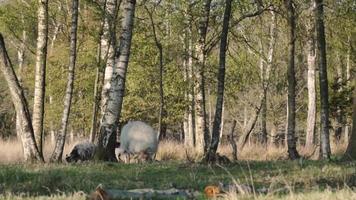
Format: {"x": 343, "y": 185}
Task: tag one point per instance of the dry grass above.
{"x": 343, "y": 194}
{"x": 75, "y": 196}
{"x": 11, "y": 151}
{"x": 173, "y": 150}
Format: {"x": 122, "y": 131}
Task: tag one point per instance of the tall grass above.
{"x": 11, "y": 151}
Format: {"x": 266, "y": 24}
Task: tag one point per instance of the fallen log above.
{"x": 146, "y": 193}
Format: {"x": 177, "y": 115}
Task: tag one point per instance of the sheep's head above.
{"x": 122, "y": 155}
{"x": 73, "y": 156}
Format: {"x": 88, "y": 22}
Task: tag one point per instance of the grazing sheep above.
{"x": 81, "y": 152}
{"x": 138, "y": 141}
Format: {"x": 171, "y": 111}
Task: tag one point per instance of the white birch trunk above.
{"x": 58, "y": 150}
{"x": 30, "y": 149}
{"x": 311, "y": 61}
{"x": 202, "y": 137}
{"x": 112, "y": 110}
{"x": 40, "y": 74}
{"x": 108, "y": 45}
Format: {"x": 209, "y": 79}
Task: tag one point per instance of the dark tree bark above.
{"x": 58, "y": 150}
{"x": 221, "y": 83}
{"x": 31, "y": 152}
{"x": 291, "y": 139}
{"x": 323, "y": 80}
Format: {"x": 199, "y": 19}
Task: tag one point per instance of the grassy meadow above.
{"x": 271, "y": 178}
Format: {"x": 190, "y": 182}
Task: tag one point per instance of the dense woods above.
{"x": 269, "y": 72}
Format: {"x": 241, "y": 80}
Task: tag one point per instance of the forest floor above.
{"x": 301, "y": 179}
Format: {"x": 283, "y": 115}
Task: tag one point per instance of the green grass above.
{"x": 49, "y": 179}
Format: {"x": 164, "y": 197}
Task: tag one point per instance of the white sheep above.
{"x": 137, "y": 138}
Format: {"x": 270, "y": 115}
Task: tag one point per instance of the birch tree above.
{"x": 112, "y": 109}
{"x": 106, "y": 56}
{"x": 291, "y": 139}
{"x": 350, "y": 153}
{"x": 189, "y": 115}
{"x": 108, "y": 46}
{"x": 30, "y": 150}
{"x": 325, "y": 150}
{"x": 40, "y": 74}
{"x": 266, "y": 65}
{"x": 201, "y": 131}
{"x": 58, "y": 150}
{"x": 221, "y": 83}
{"x": 311, "y": 56}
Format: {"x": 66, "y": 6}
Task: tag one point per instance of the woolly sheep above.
{"x": 137, "y": 138}
{"x": 81, "y": 152}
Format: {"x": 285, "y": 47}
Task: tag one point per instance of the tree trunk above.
{"x": 30, "y": 149}
{"x": 96, "y": 102}
{"x": 311, "y": 118}
{"x": 162, "y": 112}
{"x": 233, "y": 142}
{"x": 339, "y": 111}
{"x": 202, "y": 135}
{"x": 266, "y": 75}
{"x": 112, "y": 110}
{"x": 189, "y": 137}
{"x": 323, "y": 80}
{"x": 348, "y": 81}
{"x": 58, "y": 150}
{"x": 40, "y": 76}
{"x": 221, "y": 83}
{"x": 108, "y": 46}
{"x": 291, "y": 140}
{"x": 100, "y": 68}
{"x": 350, "y": 153}
{"x": 248, "y": 127}
{"x": 21, "y": 60}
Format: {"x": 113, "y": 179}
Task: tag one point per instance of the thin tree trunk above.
{"x": 221, "y": 132}
{"x": 221, "y": 83}
{"x": 311, "y": 118}
{"x": 232, "y": 141}
{"x": 266, "y": 75}
{"x": 339, "y": 111}
{"x": 250, "y": 125}
{"x": 323, "y": 80}
{"x": 350, "y": 153}
{"x": 40, "y": 76}
{"x": 96, "y": 103}
{"x": 348, "y": 81}
{"x": 21, "y": 59}
{"x": 189, "y": 137}
{"x": 99, "y": 78}
{"x": 112, "y": 110}
{"x": 162, "y": 112}
{"x": 291, "y": 140}
{"x": 201, "y": 131}
{"x": 210, "y": 107}
{"x": 58, "y": 150}
{"x": 30, "y": 149}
